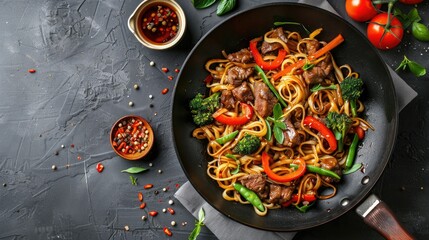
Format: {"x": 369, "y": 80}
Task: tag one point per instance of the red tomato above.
{"x": 361, "y": 10}
{"x": 381, "y": 37}
{"x": 410, "y": 1}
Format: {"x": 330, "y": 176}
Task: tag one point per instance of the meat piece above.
{"x": 312, "y": 46}
{"x": 264, "y": 99}
{"x": 243, "y": 93}
{"x": 269, "y": 47}
{"x": 227, "y": 99}
{"x": 319, "y": 72}
{"x": 292, "y": 138}
{"x": 236, "y": 75}
{"x": 330, "y": 164}
{"x": 256, "y": 183}
{"x": 280, "y": 194}
{"x": 242, "y": 56}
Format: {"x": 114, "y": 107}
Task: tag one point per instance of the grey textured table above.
{"x": 86, "y": 64}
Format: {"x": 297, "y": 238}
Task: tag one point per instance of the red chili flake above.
{"x": 148, "y": 186}
{"x": 177, "y": 185}
{"x": 168, "y": 232}
{"x": 208, "y": 79}
{"x": 177, "y": 70}
{"x": 31, "y": 70}
{"x": 143, "y": 205}
{"x": 99, "y": 167}
{"x": 164, "y": 69}
{"x": 140, "y": 196}
{"x": 79, "y": 158}
{"x": 164, "y": 91}
{"x": 171, "y": 211}
{"x": 153, "y": 213}
{"x": 170, "y": 77}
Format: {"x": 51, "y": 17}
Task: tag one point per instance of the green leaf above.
{"x": 225, "y": 6}
{"x": 417, "y": 69}
{"x": 201, "y": 215}
{"x": 277, "y": 111}
{"x": 133, "y": 180}
{"x": 278, "y": 135}
{"x": 407, "y": 19}
{"x": 307, "y": 66}
{"x": 420, "y": 32}
{"x": 235, "y": 171}
{"x": 353, "y": 169}
{"x": 292, "y": 23}
{"x": 200, "y": 4}
{"x": 281, "y": 125}
{"x": 194, "y": 234}
{"x": 134, "y": 170}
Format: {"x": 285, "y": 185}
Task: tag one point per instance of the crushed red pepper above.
{"x": 99, "y": 167}
{"x": 130, "y": 136}
{"x": 31, "y": 70}
{"x": 160, "y": 23}
{"x": 164, "y": 91}
{"x": 168, "y": 232}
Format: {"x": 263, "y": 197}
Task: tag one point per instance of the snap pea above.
{"x": 250, "y": 196}
{"x": 318, "y": 170}
{"x": 352, "y": 152}
{"x": 227, "y": 138}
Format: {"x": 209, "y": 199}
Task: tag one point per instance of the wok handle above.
{"x": 379, "y": 216}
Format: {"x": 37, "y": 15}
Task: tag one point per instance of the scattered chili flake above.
{"x": 177, "y": 185}
{"x": 164, "y": 69}
{"x": 79, "y": 158}
{"x": 153, "y": 213}
{"x": 99, "y": 167}
{"x": 148, "y": 186}
{"x": 167, "y": 232}
{"x": 31, "y": 70}
{"x": 164, "y": 91}
{"x": 177, "y": 70}
{"x": 143, "y": 205}
{"x": 170, "y": 77}
{"x": 171, "y": 211}
{"x": 140, "y": 196}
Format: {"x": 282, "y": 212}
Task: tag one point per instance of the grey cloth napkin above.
{"x": 226, "y": 228}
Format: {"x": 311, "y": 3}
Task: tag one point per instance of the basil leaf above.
{"x": 281, "y": 125}
{"x": 134, "y": 170}
{"x": 225, "y": 6}
{"x": 353, "y": 169}
{"x": 201, "y": 215}
{"x": 200, "y": 4}
{"x": 277, "y": 111}
{"x": 420, "y": 32}
{"x": 278, "y": 134}
{"x": 417, "y": 69}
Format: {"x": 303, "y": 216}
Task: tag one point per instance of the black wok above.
{"x": 379, "y": 98}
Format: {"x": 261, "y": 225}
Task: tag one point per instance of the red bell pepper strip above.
{"x": 283, "y": 178}
{"x": 294, "y": 199}
{"x": 325, "y": 131}
{"x": 239, "y": 120}
{"x": 360, "y": 132}
{"x": 260, "y": 61}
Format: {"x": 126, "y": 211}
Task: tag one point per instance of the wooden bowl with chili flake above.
{"x": 158, "y": 24}
{"x": 131, "y": 137}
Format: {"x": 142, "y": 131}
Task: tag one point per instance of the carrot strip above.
{"x": 328, "y": 47}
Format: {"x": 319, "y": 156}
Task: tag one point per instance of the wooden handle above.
{"x": 382, "y": 219}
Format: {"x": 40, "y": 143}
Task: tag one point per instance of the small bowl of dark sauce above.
{"x": 158, "y": 24}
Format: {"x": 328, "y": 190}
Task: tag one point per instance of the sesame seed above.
{"x": 164, "y": 210}
{"x": 144, "y": 218}
{"x": 130, "y": 104}
{"x": 152, "y": 63}
{"x": 159, "y": 171}
{"x": 126, "y": 228}
{"x": 54, "y": 167}
{"x": 170, "y": 201}
{"x": 136, "y": 87}
{"x": 173, "y": 223}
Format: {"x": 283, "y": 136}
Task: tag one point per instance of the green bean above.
{"x": 227, "y": 138}
{"x": 352, "y": 152}
{"x": 318, "y": 170}
{"x": 268, "y": 83}
{"x": 250, "y": 196}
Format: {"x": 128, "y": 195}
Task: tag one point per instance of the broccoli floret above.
{"x": 351, "y": 89}
{"x": 339, "y": 123}
{"x": 247, "y": 145}
{"x": 203, "y": 108}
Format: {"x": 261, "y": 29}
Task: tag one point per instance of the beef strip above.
{"x": 330, "y": 164}
{"x": 256, "y": 183}
{"x": 321, "y": 70}
{"x": 242, "y": 56}
{"x": 237, "y": 74}
{"x": 292, "y": 138}
{"x": 264, "y": 99}
{"x": 280, "y": 194}
{"x": 312, "y": 46}
{"x": 227, "y": 99}
{"x": 243, "y": 93}
{"x": 269, "y": 47}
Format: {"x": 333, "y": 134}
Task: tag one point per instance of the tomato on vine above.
{"x": 361, "y": 10}
{"x": 385, "y": 31}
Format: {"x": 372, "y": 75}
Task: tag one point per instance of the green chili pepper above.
{"x": 318, "y": 170}
{"x": 227, "y": 138}
{"x": 273, "y": 89}
{"x": 352, "y": 152}
{"x": 250, "y": 196}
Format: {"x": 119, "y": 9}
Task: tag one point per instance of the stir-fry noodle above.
{"x": 282, "y": 120}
